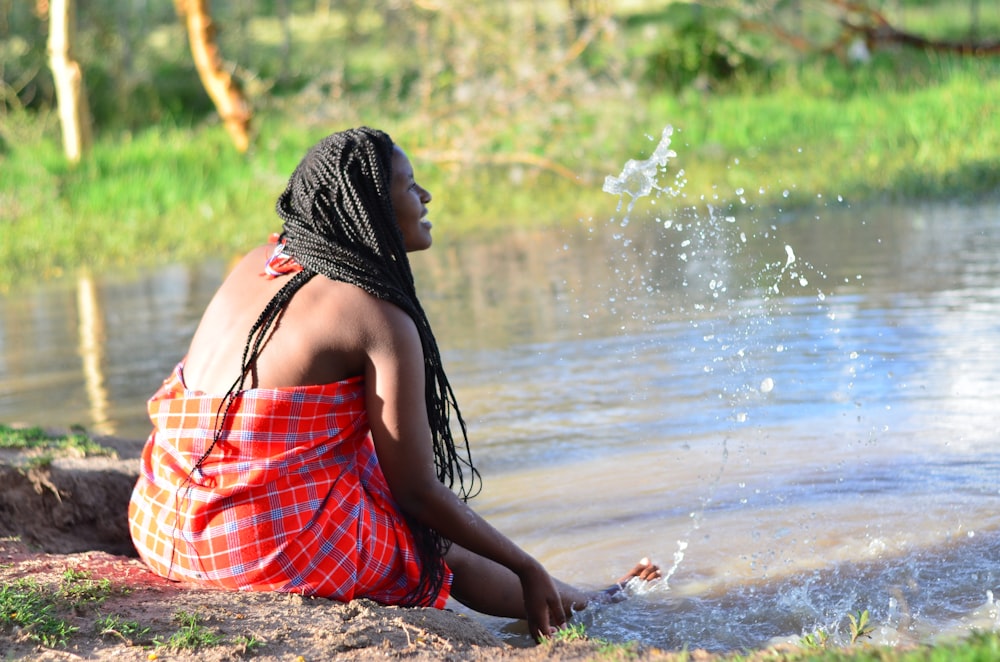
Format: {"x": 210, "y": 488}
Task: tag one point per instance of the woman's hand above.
{"x": 542, "y": 603}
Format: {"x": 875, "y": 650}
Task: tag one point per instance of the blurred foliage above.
{"x": 702, "y": 47}
{"x": 521, "y": 87}
{"x": 516, "y": 112}
{"x": 441, "y": 57}
{"x": 517, "y": 87}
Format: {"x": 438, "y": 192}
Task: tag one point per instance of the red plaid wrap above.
{"x": 290, "y": 499}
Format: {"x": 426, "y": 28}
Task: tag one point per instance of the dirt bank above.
{"x": 63, "y": 520}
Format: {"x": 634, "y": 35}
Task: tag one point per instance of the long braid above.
{"x": 339, "y": 222}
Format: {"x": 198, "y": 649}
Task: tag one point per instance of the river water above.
{"x": 794, "y": 413}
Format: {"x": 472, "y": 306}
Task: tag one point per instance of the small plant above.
{"x": 608, "y": 650}
{"x": 815, "y": 640}
{"x": 26, "y": 604}
{"x": 36, "y": 609}
{"x": 574, "y": 632}
{"x": 39, "y": 462}
{"x": 79, "y": 590}
{"x": 191, "y": 635}
{"x": 248, "y": 643}
{"x": 860, "y": 627}
{"x": 114, "y": 625}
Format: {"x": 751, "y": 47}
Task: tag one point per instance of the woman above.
{"x": 304, "y": 443}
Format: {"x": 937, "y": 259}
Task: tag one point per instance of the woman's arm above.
{"x": 394, "y": 382}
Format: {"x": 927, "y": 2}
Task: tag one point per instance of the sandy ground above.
{"x": 69, "y": 514}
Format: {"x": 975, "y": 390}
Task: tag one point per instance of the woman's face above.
{"x": 409, "y": 200}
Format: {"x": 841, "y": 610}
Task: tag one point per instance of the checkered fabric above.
{"x": 291, "y": 498}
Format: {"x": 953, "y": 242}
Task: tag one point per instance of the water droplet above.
{"x": 767, "y": 385}
{"x": 791, "y": 256}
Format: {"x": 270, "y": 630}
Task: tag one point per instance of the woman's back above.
{"x": 318, "y": 339}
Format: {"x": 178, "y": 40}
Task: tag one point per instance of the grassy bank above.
{"x": 171, "y": 192}
{"x": 497, "y": 150}
{"x": 977, "y": 648}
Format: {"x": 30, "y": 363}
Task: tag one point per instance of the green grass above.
{"x": 899, "y": 144}
{"x": 854, "y": 646}
{"x": 173, "y": 193}
{"x": 26, "y": 605}
{"x": 977, "y": 647}
{"x": 76, "y": 442}
{"x": 41, "y": 612}
{"x": 129, "y": 631}
{"x": 496, "y": 148}
{"x": 192, "y": 634}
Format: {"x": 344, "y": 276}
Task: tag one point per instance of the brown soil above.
{"x": 70, "y": 514}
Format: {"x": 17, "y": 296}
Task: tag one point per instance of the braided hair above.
{"x": 339, "y": 222}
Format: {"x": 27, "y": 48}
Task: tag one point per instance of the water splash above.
{"x": 705, "y": 267}
{"x": 731, "y": 292}
{"x": 639, "y": 178}
{"x": 682, "y": 546}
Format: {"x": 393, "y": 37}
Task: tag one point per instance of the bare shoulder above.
{"x": 333, "y": 329}
{"x": 327, "y": 331}
{"x": 373, "y": 322}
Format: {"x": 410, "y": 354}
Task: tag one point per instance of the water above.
{"x": 793, "y": 413}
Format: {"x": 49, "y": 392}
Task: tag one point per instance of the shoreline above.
{"x": 64, "y": 534}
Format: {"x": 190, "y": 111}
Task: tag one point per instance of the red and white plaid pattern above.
{"x": 290, "y": 499}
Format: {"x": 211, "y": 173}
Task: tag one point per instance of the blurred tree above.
{"x": 224, "y": 91}
{"x": 74, "y": 113}
{"x": 849, "y": 23}
{"x": 861, "y": 19}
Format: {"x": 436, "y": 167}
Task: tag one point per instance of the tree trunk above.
{"x": 285, "y": 16}
{"x": 223, "y": 90}
{"x": 74, "y": 113}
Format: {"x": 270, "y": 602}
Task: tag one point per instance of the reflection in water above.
{"x": 804, "y": 437}
{"x": 92, "y": 353}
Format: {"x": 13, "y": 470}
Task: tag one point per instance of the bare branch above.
{"x": 877, "y": 30}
